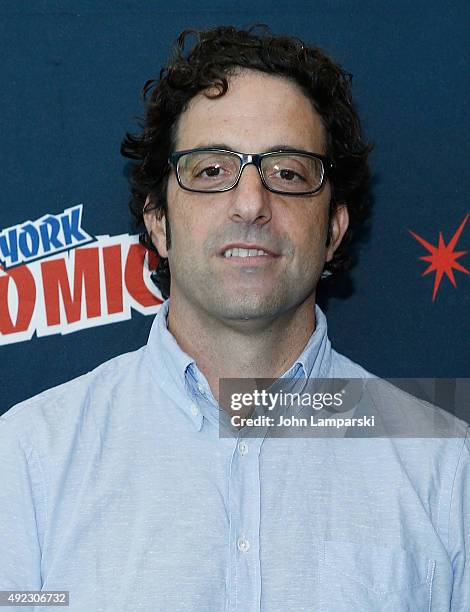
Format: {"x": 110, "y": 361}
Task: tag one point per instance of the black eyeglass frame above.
{"x": 255, "y": 159}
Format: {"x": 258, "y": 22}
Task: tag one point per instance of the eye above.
{"x": 284, "y": 173}
{"x": 289, "y": 175}
{"x": 210, "y": 168}
{"x": 209, "y": 171}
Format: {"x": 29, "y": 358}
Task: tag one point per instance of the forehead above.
{"x": 258, "y": 112}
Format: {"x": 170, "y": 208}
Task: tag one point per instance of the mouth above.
{"x": 251, "y": 252}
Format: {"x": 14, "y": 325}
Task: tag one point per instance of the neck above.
{"x": 241, "y": 349}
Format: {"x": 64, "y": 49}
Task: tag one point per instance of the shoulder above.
{"x": 62, "y": 408}
{"x": 397, "y": 401}
{"x": 430, "y": 443}
{"x": 343, "y": 367}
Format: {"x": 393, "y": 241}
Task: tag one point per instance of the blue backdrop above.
{"x": 71, "y": 75}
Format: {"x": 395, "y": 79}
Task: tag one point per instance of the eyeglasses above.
{"x": 290, "y": 172}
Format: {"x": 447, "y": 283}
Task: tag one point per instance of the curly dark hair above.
{"x": 216, "y": 55}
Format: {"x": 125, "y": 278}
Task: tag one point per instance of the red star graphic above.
{"x": 443, "y": 257}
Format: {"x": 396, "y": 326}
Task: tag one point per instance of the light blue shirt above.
{"x": 117, "y": 487}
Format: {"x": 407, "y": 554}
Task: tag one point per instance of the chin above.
{"x": 250, "y": 308}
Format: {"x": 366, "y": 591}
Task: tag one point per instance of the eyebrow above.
{"x": 223, "y": 145}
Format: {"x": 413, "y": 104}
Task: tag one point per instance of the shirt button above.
{"x": 194, "y": 410}
{"x": 243, "y": 448}
{"x": 243, "y": 544}
{"x": 200, "y": 388}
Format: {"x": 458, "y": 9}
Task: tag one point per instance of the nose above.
{"x": 250, "y": 200}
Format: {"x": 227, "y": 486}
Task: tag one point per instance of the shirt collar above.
{"x": 184, "y": 382}
{"x": 315, "y": 359}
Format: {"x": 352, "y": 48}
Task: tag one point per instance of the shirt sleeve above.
{"x": 459, "y": 531}
{"x": 20, "y": 506}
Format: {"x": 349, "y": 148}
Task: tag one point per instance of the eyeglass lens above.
{"x": 215, "y": 170}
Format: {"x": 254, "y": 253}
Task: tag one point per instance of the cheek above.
{"x": 313, "y": 231}
{"x": 177, "y": 216}
{"x": 194, "y": 219}
{"x": 188, "y": 232}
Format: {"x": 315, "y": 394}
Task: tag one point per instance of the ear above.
{"x": 156, "y": 227}
{"x": 338, "y": 226}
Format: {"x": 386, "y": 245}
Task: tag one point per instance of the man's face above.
{"x": 259, "y": 113}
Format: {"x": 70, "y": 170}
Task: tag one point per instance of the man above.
{"x": 117, "y": 486}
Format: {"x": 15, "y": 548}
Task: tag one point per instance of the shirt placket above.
{"x": 244, "y": 507}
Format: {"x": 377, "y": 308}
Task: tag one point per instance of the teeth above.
{"x": 239, "y": 252}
